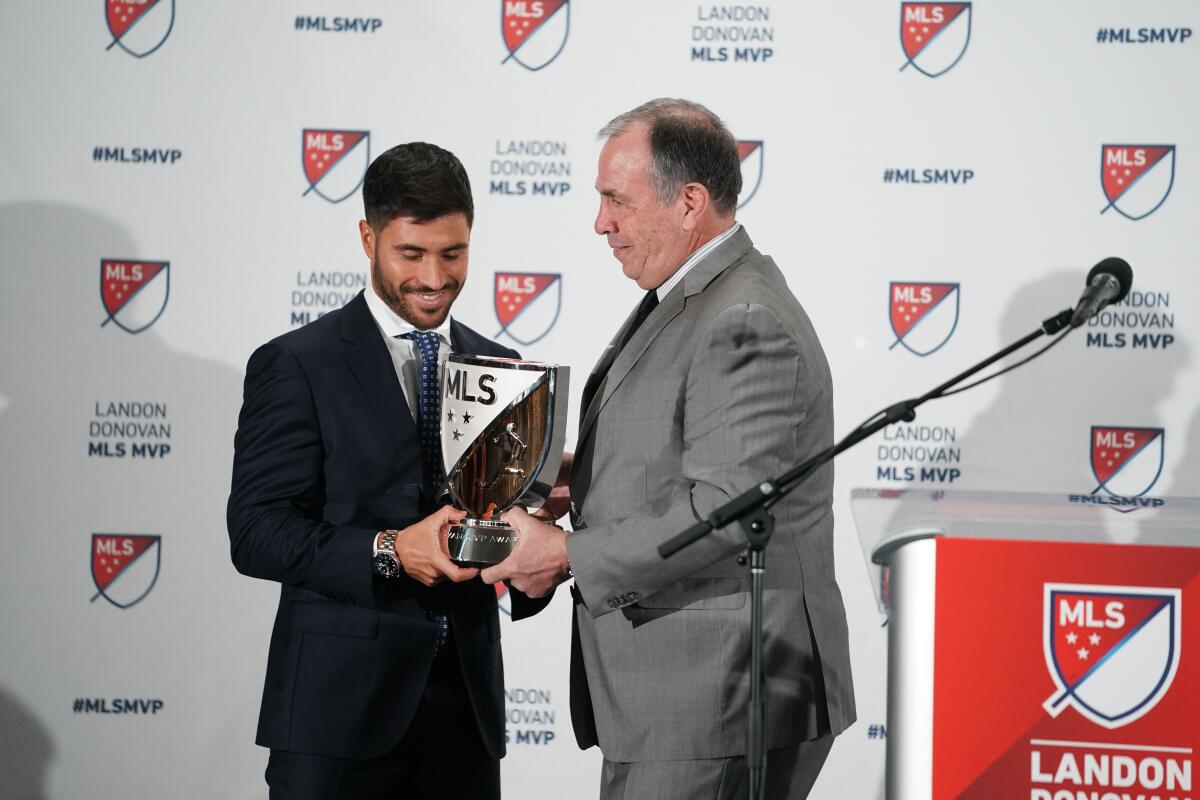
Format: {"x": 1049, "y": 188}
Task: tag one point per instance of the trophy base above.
{"x": 480, "y": 542}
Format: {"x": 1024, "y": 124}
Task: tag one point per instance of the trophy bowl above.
{"x": 503, "y": 429}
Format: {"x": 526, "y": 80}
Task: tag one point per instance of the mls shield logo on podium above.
{"x": 335, "y": 162}
{"x": 534, "y": 31}
{"x": 525, "y": 307}
{"x": 1126, "y": 461}
{"x": 1112, "y": 651}
{"x": 139, "y": 27}
{"x": 134, "y": 293}
{"x": 934, "y": 36}
{"x": 125, "y": 566}
{"x": 922, "y": 315}
{"x": 1136, "y": 177}
{"x": 750, "y": 152}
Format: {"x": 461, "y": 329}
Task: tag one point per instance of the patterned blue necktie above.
{"x": 429, "y": 403}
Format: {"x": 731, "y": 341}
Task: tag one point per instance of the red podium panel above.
{"x": 1065, "y": 670}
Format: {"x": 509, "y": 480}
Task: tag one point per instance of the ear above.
{"x": 368, "y": 238}
{"x": 696, "y": 203}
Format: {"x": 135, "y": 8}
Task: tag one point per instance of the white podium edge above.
{"x": 912, "y": 561}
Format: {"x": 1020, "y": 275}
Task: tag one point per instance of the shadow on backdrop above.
{"x": 1035, "y": 434}
{"x": 61, "y": 366}
{"x": 25, "y": 751}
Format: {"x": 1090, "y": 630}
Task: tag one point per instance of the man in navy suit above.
{"x": 384, "y": 673}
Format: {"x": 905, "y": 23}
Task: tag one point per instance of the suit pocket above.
{"x": 333, "y": 619}
{"x": 701, "y": 594}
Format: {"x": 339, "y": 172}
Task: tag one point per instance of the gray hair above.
{"x": 688, "y": 143}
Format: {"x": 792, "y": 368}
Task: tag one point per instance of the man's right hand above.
{"x": 422, "y": 551}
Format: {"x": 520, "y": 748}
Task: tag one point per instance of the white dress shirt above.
{"x": 694, "y": 259}
{"x": 406, "y": 357}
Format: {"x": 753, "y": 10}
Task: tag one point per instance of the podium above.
{"x": 1041, "y": 646}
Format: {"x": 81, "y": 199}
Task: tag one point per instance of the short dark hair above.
{"x": 418, "y": 181}
{"x": 688, "y": 143}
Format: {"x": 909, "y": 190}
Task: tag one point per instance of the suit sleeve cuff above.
{"x": 591, "y": 586}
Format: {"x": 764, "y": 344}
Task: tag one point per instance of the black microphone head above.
{"x": 1119, "y": 268}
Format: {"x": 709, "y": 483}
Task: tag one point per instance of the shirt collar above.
{"x": 694, "y": 259}
{"x": 392, "y": 324}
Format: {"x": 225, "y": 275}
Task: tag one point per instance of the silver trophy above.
{"x": 504, "y": 425}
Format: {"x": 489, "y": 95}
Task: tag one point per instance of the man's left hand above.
{"x": 538, "y": 562}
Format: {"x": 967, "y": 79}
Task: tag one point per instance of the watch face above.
{"x": 386, "y": 565}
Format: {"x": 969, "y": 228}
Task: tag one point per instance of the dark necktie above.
{"x": 596, "y": 378}
{"x": 429, "y": 404}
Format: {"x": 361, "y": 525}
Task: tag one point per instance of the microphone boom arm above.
{"x": 769, "y": 492}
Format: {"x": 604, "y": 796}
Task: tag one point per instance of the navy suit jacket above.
{"x": 326, "y": 456}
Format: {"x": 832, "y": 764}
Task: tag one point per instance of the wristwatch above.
{"x": 386, "y": 563}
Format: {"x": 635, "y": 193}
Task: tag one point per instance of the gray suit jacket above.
{"x": 723, "y": 385}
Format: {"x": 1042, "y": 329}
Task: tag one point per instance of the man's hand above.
{"x": 558, "y": 504}
{"x": 538, "y": 562}
{"x": 422, "y": 551}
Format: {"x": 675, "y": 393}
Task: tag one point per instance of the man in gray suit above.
{"x": 716, "y": 381}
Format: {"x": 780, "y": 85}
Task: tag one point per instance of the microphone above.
{"x": 1108, "y": 282}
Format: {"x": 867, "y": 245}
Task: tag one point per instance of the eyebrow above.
{"x": 418, "y": 249}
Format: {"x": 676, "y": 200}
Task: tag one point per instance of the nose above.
{"x": 430, "y": 274}
{"x": 604, "y": 223}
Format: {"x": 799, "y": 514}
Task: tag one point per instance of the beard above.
{"x": 397, "y": 298}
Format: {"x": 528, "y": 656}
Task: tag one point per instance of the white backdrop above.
{"x": 191, "y": 154}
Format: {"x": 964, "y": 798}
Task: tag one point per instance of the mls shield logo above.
{"x": 1112, "y": 651}
{"x": 139, "y": 27}
{"x": 934, "y": 36}
{"x": 751, "y": 153}
{"x": 1136, "y": 177}
{"x": 534, "y": 31}
{"x": 525, "y": 307}
{"x": 125, "y": 566}
{"x": 923, "y": 315}
{"x": 1126, "y": 461}
{"x": 335, "y": 162}
{"x": 134, "y": 293}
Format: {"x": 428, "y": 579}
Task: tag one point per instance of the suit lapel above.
{"x": 693, "y": 283}
{"x": 369, "y": 360}
{"x": 464, "y": 340}
{"x": 624, "y": 361}
{"x": 603, "y": 365}
{"x": 469, "y": 342}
